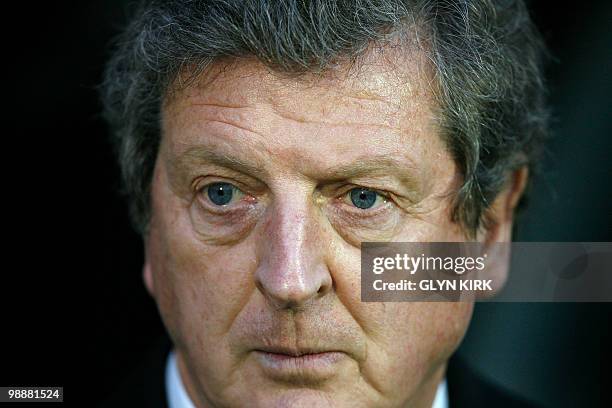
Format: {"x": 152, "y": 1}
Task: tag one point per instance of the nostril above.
{"x": 259, "y": 285}
{"x": 325, "y": 287}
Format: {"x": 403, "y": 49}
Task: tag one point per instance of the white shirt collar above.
{"x": 178, "y": 397}
{"x": 441, "y": 400}
{"x": 175, "y": 390}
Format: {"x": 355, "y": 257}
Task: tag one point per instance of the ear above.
{"x": 500, "y": 214}
{"x": 498, "y": 234}
{"x": 147, "y": 273}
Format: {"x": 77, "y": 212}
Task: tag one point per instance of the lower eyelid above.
{"x": 224, "y": 213}
{"x": 356, "y": 212}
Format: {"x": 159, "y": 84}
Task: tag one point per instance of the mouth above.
{"x": 294, "y": 352}
{"x": 299, "y": 365}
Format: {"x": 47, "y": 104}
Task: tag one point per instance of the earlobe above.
{"x": 501, "y": 213}
{"x": 147, "y": 272}
{"x": 147, "y": 276}
{"x": 498, "y": 235}
{"x": 519, "y": 182}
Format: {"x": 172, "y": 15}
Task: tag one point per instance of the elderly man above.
{"x": 261, "y": 142}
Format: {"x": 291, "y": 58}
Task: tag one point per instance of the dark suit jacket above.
{"x": 145, "y": 387}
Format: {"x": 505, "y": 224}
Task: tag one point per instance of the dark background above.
{"x": 73, "y": 308}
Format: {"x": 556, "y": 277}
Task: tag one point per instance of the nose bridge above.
{"x": 292, "y": 267}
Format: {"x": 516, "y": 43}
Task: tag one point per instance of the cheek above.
{"x": 199, "y": 285}
{"x": 430, "y": 330}
{"x": 200, "y": 289}
{"x": 411, "y": 342}
{"x": 226, "y": 229}
{"x": 408, "y": 342}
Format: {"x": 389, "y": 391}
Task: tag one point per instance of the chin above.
{"x": 299, "y": 398}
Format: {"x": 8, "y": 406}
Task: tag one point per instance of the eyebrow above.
{"x": 367, "y": 165}
{"x": 405, "y": 172}
{"x": 196, "y": 156}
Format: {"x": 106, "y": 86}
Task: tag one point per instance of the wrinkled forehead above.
{"x": 381, "y": 109}
{"x": 387, "y": 85}
{"x": 380, "y": 112}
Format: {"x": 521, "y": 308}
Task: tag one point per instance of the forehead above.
{"x": 385, "y": 102}
{"x": 393, "y": 79}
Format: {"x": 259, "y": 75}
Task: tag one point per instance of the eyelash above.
{"x": 368, "y": 212}
{"x": 343, "y": 198}
{"x": 202, "y": 196}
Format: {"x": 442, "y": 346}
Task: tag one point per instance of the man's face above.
{"x": 263, "y": 190}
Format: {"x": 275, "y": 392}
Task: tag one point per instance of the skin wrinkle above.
{"x": 339, "y": 171}
{"x": 362, "y": 325}
{"x": 374, "y": 166}
{"x": 302, "y": 240}
{"x": 422, "y": 92}
{"x": 295, "y": 119}
{"x": 287, "y": 115}
{"x": 234, "y": 125}
{"x": 469, "y": 87}
{"x": 369, "y": 88}
{"x": 203, "y": 284}
{"x": 195, "y": 158}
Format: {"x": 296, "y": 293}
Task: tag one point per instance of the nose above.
{"x": 292, "y": 270}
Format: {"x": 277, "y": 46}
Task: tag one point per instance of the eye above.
{"x": 365, "y": 198}
{"x": 221, "y": 193}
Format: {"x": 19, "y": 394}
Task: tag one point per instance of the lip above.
{"x": 304, "y": 365}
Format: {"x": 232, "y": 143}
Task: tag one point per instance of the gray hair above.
{"x": 487, "y": 58}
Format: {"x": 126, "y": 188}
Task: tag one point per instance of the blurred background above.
{"x": 74, "y": 310}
